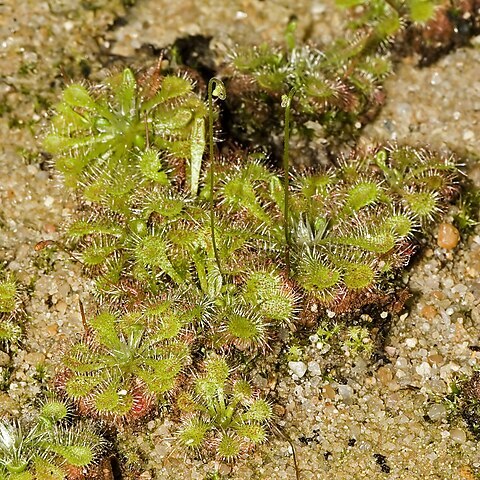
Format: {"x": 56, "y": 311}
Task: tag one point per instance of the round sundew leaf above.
{"x": 54, "y": 410}
{"x": 316, "y": 276}
{"x": 151, "y": 166}
{"x": 97, "y": 254}
{"x": 44, "y": 470}
{"x": 77, "y": 455}
{"x": 192, "y": 433}
{"x": 9, "y": 331}
{"x": 248, "y": 329}
{"x": 279, "y": 307}
{"x": 316, "y": 185}
{"x": 271, "y": 80}
{"x": 259, "y": 411}
{"x": 173, "y": 86}
{"x": 253, "y": 432}
{"x": 378, "y": 243}
{"x": 423, "y": 204}
{"x": 363, "y": 194}
{"x": 357, "y": 276}
{"x": 229, "y": 447}
{"x": 261, "y": 285}
{"x": 168, "y": 207}
{"x": 8, "y": 290}
{"x": 207, "y": 388}
{"x": 388, "y": 25}
{"x": 81, "y": 228}
{"x": 400, "y": 224}
{"x": 78, "y": 96}
{"x": 217, "y": 370}
{"x": 81, "y": 385}
{"x": 166, "y": 368}
{"x": 166, "y": 122}
{"x": 242, "y": 390}
{"x": 421, "y": 11}
{"x": 170, "y": 326}
{"x": 109, "y": 401}
{"x": 320, "y": 89}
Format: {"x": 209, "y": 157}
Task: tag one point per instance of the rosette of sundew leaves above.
{"x": 110, "y": 140}
{"x": 127, "y": 363}
{"x": 337, "y": 90}
{"x": 53, "y": 446}
{"x": 350, "y": 228}
{"x": 10, "y": 331}
{"x": 222, "y": 416}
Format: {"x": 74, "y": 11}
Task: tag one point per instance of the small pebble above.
{"x": 52, "y": 329}
{"x": 435, "y": 359}
{"x": 329, "y": 392}
{"x": 49, "y": 228}
{"x": 346, "y": 391}
{"x": 429, "y": 312}
{"x": 278, "y": 410}
{"x": 411, "y": 342}
{"x": 48, "y": 201}
{"x": 448, "y": 236}
{"x": 61, "y": 307}
{"x": 298, "y": 368}
{"x": 4, "y": 359}
{"x": 458, "y": 435}
{"x": 438, "y": 294}
{"x": 224, "y": 469}
{"x": 424, "y": 369}
{"x": 465, "y": 472}
{"x": 385, "y": 375}
{"x": 34, "y": 358}
{"x": 314, "y": 368}
{"x": 437, "y": 412}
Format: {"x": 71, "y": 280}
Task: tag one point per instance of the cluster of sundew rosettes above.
{"x": 222, "y": 415}
{"x": 51, "y": 446}
{"x": 109, "y": 141}
{"x": 350, "y": 229}
{"x": 10, "y": 310}
{"x": 126, "y": 364}
{"x": 338, "y": 88}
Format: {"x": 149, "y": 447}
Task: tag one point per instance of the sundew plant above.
{"x": 203, "y": 262}
{"x": 49, "y": 447}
